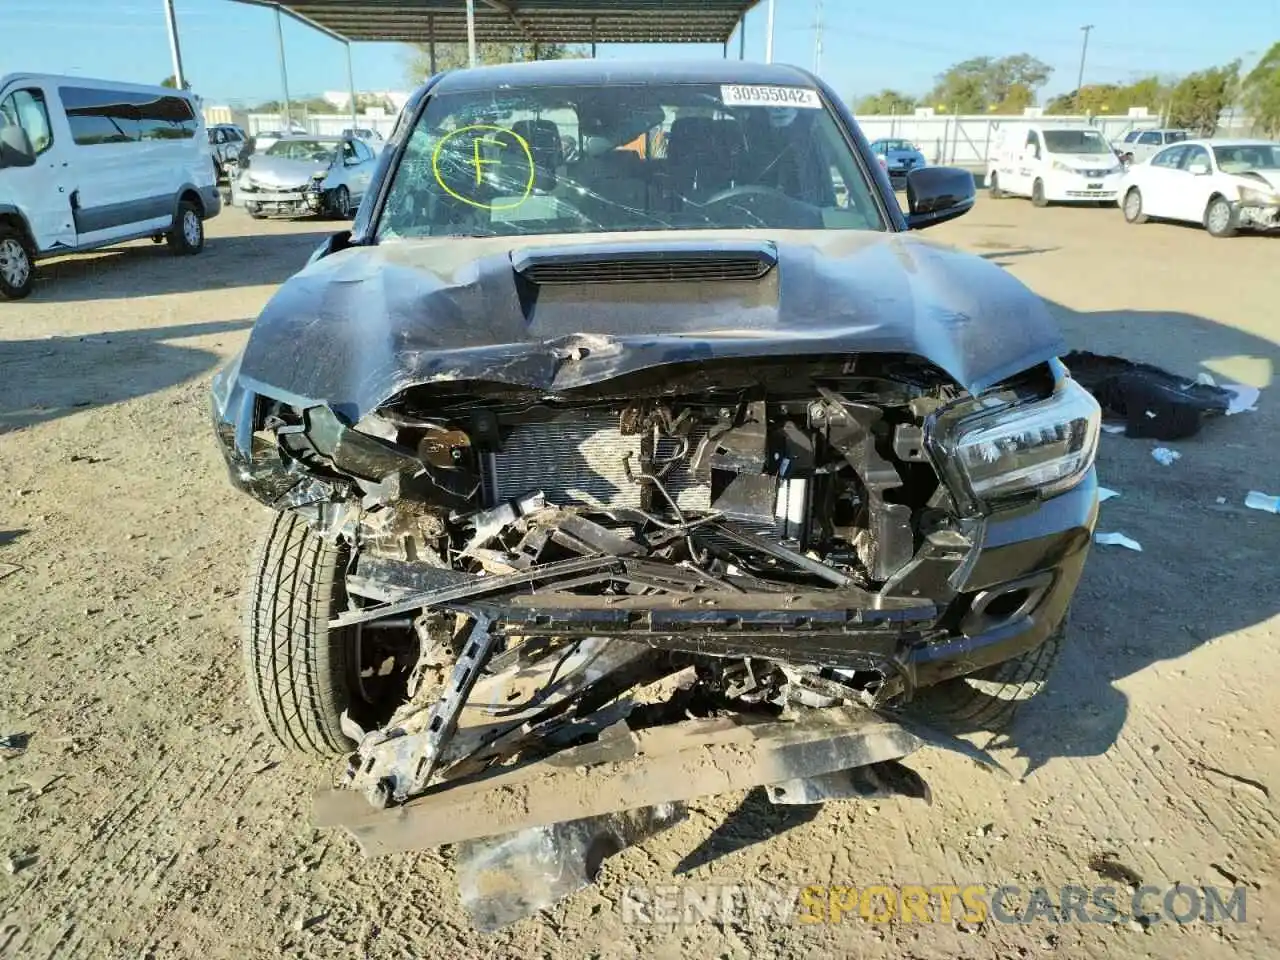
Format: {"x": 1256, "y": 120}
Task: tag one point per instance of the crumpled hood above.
{"x": 359, "y": 326}
{"x": 283, "y": 172}
{"x": 1251, "y": 179}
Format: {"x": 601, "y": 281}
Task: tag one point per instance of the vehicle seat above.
{"x": 696, "y": 163}
{"x": 616, "y": 177}
{"x": 543, "y": 139}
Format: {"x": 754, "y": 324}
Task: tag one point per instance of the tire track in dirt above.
{"x": 136, "y": 855}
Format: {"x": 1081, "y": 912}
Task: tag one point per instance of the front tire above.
{"x": 1133, "y": 206}
{"x": 1038, "y": 198}
{"x": 300, "y": 673}
{"x": 17, "y": 270}
{"x": 186, "y": 237}
{"x": 340, "y": 205}
{"x": 1220, "y": 218}
{"x": 990, "y": 698}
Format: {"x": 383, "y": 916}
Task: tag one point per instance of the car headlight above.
{"x": 1065, "y": 168}
{"x": 998, "y": 450}
{"x": 1260, "y": 197}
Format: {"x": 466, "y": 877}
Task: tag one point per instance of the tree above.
{"x": 172, "y": 83}
{"x": 886, "y": 101}
{"x": 981, "y": 84}
{"x": 454, "y": 56}
{"x": 1260, "y": 92}
{"x": 1111, "y": 98}
{"x": 1199, "y": 98}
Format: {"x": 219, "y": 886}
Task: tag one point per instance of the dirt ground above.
{"x": 149, "y": 818}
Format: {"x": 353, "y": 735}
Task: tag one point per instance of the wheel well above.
{"x": 20, "y": 224}
{"x": 192, "y": 197}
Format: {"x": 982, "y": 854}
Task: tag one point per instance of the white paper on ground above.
{"x": 1164, "y": 456}
{"x": 1113, "y": 428}
{"x": 1105, "y": 494}
{"x": 1117, "y": 540}
{"x": 1242, "y": 398}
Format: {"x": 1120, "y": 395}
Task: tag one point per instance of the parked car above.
{"x": 296, "y": 176}
{"x": 593, "y": 424}
{"x": 1139, "y": 145}
{"x": 89, "y": 163}
{"x": 901, "y": 156}
{"x": 227, "y": 142}
{"x": 1225, "y": 185}
{"x": 363, "y": 133}
{"x": 1054, "y": 164}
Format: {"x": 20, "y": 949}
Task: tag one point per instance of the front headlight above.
{"x": 1260, "y": 197}
{"x": 1065, "y": 168}
{"x": 1011, "y": 450}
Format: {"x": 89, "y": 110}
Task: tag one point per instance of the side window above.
{"x": 1169, "y": 158}
{"x": 27, "y": 109}
{"x": 100, "y": 116}
{"x": 1033, "y": 144}
{"x": 166, "y": 118}
{"x": 348, "y": 151}
{"x": 1132, "y": 135}
{"x": 363, "y": 153}
{"x": 1175, "y": 136}
{"x": 1150, "y": 138}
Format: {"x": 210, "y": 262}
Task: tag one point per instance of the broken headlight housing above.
{"x": 1261, "y": 197}
{"x": 995, "y": 449}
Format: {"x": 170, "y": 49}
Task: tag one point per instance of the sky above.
{"x": 229, "y": 49}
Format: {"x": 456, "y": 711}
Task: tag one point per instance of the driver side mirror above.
{"x": 1198, "y": 169}
{"x": 938, "y": 194}
{"x": 15, "y": 146}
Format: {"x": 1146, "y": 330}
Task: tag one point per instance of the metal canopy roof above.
{"x": 524, "y": 21}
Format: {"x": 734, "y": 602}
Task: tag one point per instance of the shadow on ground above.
{"x": 1195, "y": 580}
{"x": 58, "y": 376}
{"x": 147, "y": 270}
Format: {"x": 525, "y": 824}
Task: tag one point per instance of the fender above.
{"x": 9, "y": 210}
{"x": 210, "y": 200}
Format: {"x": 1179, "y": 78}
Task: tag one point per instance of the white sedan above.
{"x": 1226, "y": 185}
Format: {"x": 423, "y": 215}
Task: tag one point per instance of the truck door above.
{"x": 1027, "y": 165}
{"x": 38, "y": 189}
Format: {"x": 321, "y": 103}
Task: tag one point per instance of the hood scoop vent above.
{"x": 671, "y": 262}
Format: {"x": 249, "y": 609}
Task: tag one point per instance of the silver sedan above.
{"x": 301, "y": 175}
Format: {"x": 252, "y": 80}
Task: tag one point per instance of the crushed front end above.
{"x": 787, "y": 532}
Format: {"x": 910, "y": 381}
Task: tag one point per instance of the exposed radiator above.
{"x": 576, "y": 458}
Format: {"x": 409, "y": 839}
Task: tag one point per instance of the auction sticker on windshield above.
{"x": 743, "y": 96}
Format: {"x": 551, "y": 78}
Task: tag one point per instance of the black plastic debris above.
{"x": 1152, "y": 402}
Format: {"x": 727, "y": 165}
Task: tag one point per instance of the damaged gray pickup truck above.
{"x": 677, "y": 468}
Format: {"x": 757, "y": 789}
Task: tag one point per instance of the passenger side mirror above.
{"x": 15, "y": 146}
{"x": 938, "y": 194}
{"x": 332, "y": 244}
{"x": 1198, "y": 169}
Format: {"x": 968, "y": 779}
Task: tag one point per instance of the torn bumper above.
{"x": 624, "y": 771}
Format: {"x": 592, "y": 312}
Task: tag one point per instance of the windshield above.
{"x": 315, "y": 151}
{"x": 610, "y": 158}
{"x": 1075, "y": 141}
{"x": 1245, "y": 157}
{"x": 887, "y": 145}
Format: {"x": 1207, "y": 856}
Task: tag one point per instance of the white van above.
{"x": 1054, "y": 164}
{"x": 88, "y": 163}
